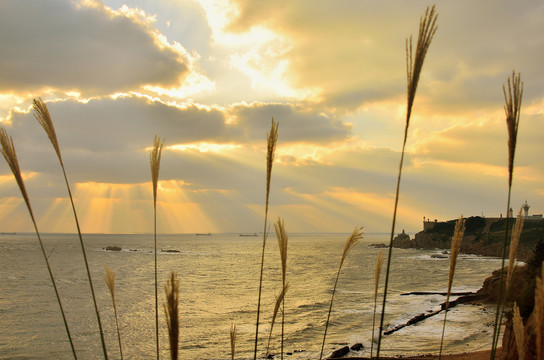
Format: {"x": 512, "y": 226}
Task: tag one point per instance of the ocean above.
{"x": 219, "y": 278}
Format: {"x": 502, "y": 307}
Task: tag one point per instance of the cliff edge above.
{"x": 482, "y": 237}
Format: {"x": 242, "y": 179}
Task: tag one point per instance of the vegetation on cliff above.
{"x": 482, "y": 237}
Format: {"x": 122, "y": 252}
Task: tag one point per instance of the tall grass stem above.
{"x": 8, "y": 151}
{"x": 458, "y": 233}
{"x": 155, "y": 164}
{"x": 512, "y": 109}
{"x": 272, "y": 138}
{"x": 351, "y": 241}
{"x": 109, "y": 278}
{"x": 379, "y": 264}
{"x": 171, "y": 310}
{"x": 414, "y": 65}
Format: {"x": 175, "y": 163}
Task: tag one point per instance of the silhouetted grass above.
{"x": 8, "y": 151}
{"x": 41, "y": 113}
{"x": 414, "y": 65}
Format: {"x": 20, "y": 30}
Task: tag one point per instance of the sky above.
{"x": 208, "y": 76}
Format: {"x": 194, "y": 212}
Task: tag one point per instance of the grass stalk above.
{"x": 232, "y": 341}
{"x": 272, "y": 138}
{"x": 41, "y": 113}
{"x": 379, "y": 264}
{"x": 171, "y": 310}
{"x": 414, "y": 65}
{"x": 109, "y": 278}
{"x": 519, "y": 332}
{"x": 277, "y": 306}
{"x": 458, "y": 233}
{"x": 283, "y": 239}
{"x": 512, "y": 109}
{"x": 539, "y": 315}
{"x": 8, "y": 151}
{"x": 155, "y": 164}
{"x": 351, "y": 241}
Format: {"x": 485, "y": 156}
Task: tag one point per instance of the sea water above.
{"x": 219, "y": 280}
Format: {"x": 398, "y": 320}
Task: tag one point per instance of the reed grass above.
{"x": 283, "y": 239}
{"x": 109, "y": 278}
{"x": 171, "y": 310}
{"x": 277, "y": 306}
{"x": 539, "y": 314}
{"x": 10, "y": 155}
{"x": 379, "y": 264}
{"x": 232, "y": 341}
{"x": 272, "y": 139}
{"x": 414, "y": 65}
{"x": 458, "y": 233}
{"x": 514, "y": 242}
{"x": 512, "y": 109}
{"x": 519, "y": 332}
{"x": 41, "y": 113}
{"x": 155, "y": 164}
{"x": 351, "y": 241}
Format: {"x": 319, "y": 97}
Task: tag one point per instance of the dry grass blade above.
{"x": 379, "y": 264}
{"x": 109, "y": 278}
{"x": 519, "y": 332}
{"x": 414, "y": 64}
{"x": 10, "y": 155}
{"x": 155, "y": 165}
{"x": 351, "y": 241}
{"x": 41, "y": 113}
{"x": 512, "y": 108}
{"x": 514, "y": 242}
{"x": 539, "y": 315}
{"x": 282, "y": 244}
{"x": 232, "y": 341}
{"x": 427, "y": 29}
{"x": 171, "y": 310}
{"x": 458, "y": 233}
{"x": 283, "y": 239}
{"x": 272, "y": 139}
{"x": 279, "y": 300}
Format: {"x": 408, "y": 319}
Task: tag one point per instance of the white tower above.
{"x": 526, "y": 208}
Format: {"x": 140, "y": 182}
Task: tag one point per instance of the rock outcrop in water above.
{"x": 482, "y": 237}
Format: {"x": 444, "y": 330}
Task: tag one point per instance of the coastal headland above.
{"x": 483, "y": 236}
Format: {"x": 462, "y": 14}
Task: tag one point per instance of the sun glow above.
{"x": 204, "y": 147}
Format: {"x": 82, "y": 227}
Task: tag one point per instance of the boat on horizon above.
{"x": 254, "y": 234}
{"x": 203, "y": 234}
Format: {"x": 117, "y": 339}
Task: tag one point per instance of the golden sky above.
{"x": 209, "y": 75}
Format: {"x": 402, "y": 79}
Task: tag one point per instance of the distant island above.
{"x": 483, "y": 236}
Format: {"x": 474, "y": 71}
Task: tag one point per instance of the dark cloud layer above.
{"x": 56, "y": 44}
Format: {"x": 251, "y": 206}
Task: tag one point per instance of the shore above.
{"x": 477, "y": 355}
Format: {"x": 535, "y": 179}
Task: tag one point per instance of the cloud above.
{"x": 83, "y": 47}
{"x": 354, "y": 52}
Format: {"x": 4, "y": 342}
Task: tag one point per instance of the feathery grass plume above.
{"x": 232, "y": 341}
{"x": 514, "y": 242}
{"x": 519, "y": 332}
{"x": 272, "y": 139}
{"x": 155, "y": 164}
{"x": 379, "y": 264}
{"x": 512, "y": 109}
{"x": 539, "y": 313}
{"x": 279, "y": 300}
{"x": 351, "y": 241}
{"x": 109, "y": 278}
{"x": 8, "y": 151}
{"x": 282, "y": 243}
{"x": 171, "y": 310}
{"x": 458, "y": 233}
{"x": 414, "y": 64}
{"x": 41, "y": 113}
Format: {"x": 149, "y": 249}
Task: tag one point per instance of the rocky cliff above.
{"x": 481, "y": 237}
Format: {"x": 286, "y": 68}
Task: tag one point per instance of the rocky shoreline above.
{"x": 481, "y": 237}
